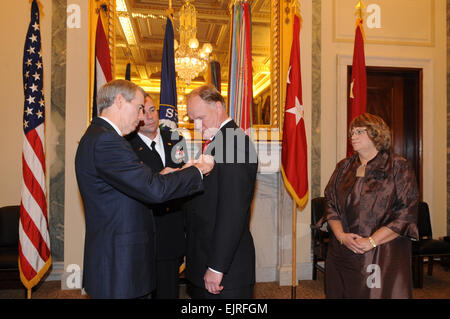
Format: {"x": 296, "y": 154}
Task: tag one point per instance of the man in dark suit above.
{"x": 158, "y": 149}
{"x": 119, "y": 252}
{"x": 220, "y": 256}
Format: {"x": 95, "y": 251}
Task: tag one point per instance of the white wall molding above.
{"x": 56, "y": 272}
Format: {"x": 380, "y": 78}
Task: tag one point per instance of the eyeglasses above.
{"x": 358, "y": 132}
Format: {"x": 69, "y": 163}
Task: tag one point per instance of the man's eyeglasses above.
{"x": 358, "y": 132}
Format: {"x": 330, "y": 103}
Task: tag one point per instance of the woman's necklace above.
{"x": 361, "y": 171}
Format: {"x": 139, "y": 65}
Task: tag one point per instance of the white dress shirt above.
{"x": 225, "y": 122}
{"x": 159, "y": 146}
{"x": 221, "y": 125}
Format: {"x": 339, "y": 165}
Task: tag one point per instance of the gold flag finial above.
{"x": 359, "y": 16}
{"x": 295, "y": 4}
{"x": 359, "y": 9}
{"x": 169, "y": 11}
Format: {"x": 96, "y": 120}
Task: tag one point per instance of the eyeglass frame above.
{"x": 358, "y": 132}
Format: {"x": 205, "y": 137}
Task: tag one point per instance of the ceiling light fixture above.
{"x": 189, "y": 60}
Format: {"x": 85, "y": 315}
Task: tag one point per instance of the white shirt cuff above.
{"x": 217, "y": 272}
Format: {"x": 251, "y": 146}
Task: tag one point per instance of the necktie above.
{"x": 205, "y": 145}
{"x": 156, "y": 154}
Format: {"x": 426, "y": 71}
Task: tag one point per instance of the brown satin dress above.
{"x": 387, "y": 195}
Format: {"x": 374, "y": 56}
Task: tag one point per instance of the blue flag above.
{"x": 34, "y": 111}
{"x": 168, "y": 114}
{"x": 128, "y": 72}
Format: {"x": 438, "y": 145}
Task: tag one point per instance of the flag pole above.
{"x": 29, "y": 293}
{"x": 296, "y": 10}
{"x": 294, "y": 249}
{"x": 359, "y": 7}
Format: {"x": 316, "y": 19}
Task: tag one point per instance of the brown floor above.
{"x": 434, "y": 287}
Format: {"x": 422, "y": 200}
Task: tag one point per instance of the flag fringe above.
{"x": 301, "y": 202}
{"x": 35, "y": 280}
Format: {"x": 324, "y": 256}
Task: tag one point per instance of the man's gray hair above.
{"x": 109, "y": 91}
{"x": 207, "y": 93}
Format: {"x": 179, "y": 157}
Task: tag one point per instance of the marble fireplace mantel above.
{"x": 271, "y": 223}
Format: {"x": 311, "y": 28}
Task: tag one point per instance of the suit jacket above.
{"x": 218, "y": 233}
{"x": 119, "y": 252}
{"x": 169, "y": 216}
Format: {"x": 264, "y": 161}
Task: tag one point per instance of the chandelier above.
{"x": 190, "y": 61}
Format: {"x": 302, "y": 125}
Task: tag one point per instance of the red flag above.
{"x": 358, "y": 84}
{"x": 103, "y": 73}
{"x": 34, "y": 240}
{"x": 294, "y": 159}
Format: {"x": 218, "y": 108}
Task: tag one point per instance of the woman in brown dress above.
{"x": 372, "y": 200}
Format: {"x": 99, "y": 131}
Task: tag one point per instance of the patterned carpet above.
{"x": 434, "y": 287}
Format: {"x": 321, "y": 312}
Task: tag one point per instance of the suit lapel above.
{"x": 168, "y": 144}
{"x": 173, "y": 146}
{"x": 211, "y": 148}
{"x": 144, "y": 153}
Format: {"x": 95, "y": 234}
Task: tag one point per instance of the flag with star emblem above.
{"x": 294, "y": 158}
{"x": 358, "y": 84}
{"x": 34, "y": 240}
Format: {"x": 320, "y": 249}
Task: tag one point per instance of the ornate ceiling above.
{"x": 148, "y": 20}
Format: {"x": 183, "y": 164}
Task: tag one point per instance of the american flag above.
{"x": 34, "y": 240}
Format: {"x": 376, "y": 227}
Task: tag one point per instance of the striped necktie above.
{"x": 205, "y": 145}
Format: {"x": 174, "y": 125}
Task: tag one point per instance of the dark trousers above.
{"x": 166, "y": 279}
{"x": 245, "y": 292}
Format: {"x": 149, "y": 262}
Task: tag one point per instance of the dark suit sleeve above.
{"x": 120, "y": 167}
{"x": 236, "y": 188}
{"x": 178, "y": 151}
{"x": 331, "y": 210}
{"x": 183, "y": 144}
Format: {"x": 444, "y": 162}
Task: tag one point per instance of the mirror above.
{"x": 139, "y": 35}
